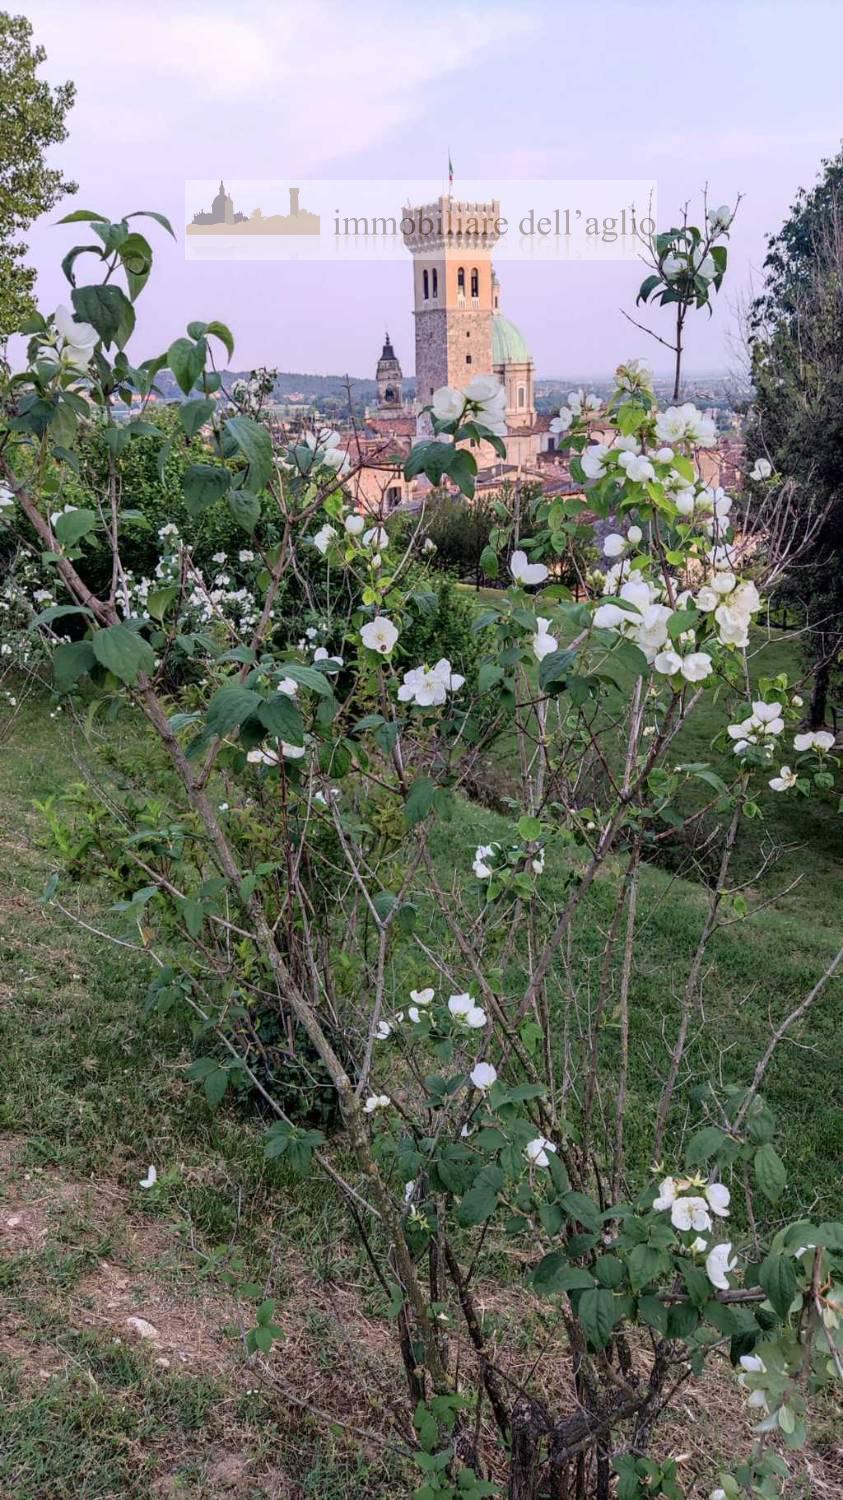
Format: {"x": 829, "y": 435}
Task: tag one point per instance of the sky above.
{"x": 742, "y": 95}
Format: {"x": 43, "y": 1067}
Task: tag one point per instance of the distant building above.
{"x": 223, "y": 220}
{"x": 390, "y": 381}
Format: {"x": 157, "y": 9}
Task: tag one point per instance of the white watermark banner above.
{"x": 382, "y": 219}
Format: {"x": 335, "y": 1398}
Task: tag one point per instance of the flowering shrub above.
{"x": 296, "y": 864}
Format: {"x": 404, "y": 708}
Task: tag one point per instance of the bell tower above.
{"x": 451, "y": 244}
{"x": 389, "y": 379}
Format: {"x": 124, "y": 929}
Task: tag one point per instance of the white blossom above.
{"x": 428, "y": 687}
{"x": 563, "y": 422}
{"x": 377, "y": 537}
{"x": 464, "y": 1010}
{"x": 718, "y": 1264}
{"x": 542, "y": 642}
{"x": 150, "y": 1179}
{"x": 536, "y": 1151}
{"x": 593, "y": 461}
{"x": 324, "y": 537}
{"x": 524, "y": 571}
{"x": 638, "y": 469}
{"x": 483, "y": 1075}
{"x": 379, "y": 635}
{"x": 784, "y": 781}
{"x": 816, "y": 739}
{"x": 376, "y": 1102}
{"x": 667, "y": 1195}
{"x": 483, "y": 856}
{"x": 690, "y": 1213}
{"x": 762, "y": 469}
{"x": 354, "y": 524}
{"x": 634, "y": 535}
{"x": 422, "y": 997}
{"x": 614, "y": 544}
{"x": 719, "y": 1197}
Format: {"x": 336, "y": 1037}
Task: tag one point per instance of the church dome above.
{"x": 509, "y": 347}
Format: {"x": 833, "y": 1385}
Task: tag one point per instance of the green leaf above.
{"x": 654, "y": 1313}
{"x": 72, "y": 525}
{"x": 58, "y": 612}
{"x": 478, "y": 1205}
{"x": 71, "y": 660}
{"x": 553, "y": 669}
{"x": 281, "y": 717}
{"x": 419, "y": 801}
{"x": 777, "y": 1275}
{"x": 769, "y": 1172}
{"x": 186, "y": 359}
{"x": 596, "y": 1310}
{"x": 107, "y": 309}
{"x": 202, "y": 484}
{"x": 223, "y": 333}
{"x": 216, "y": 1084}
{"x": 489, "y": 562}
{"x": 554, "y": 1273}
{"x": 230, "y": 706}
{"x": 194, "y": 414}
{"x": 705, "y": 1144}
{"x": 578, "y": 1206}
{"x": 646, "y": 1264}
{"x": 123, "y": 651}
{"x": 489, "y": 675}
{"x": 158, "y": 602}
{"x": 82, "y": 215}
{"x": 245, "y": 508}
{"x": 255, "y": 444}
{"x": 136, "y": 259}
{"x": 149, "y": 213}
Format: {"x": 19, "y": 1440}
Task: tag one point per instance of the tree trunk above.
{"x": 819, "y": 698}
{"x": 528, "y": 1429}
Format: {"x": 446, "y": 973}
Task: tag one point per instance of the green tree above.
{"x": 31, "y": 119}
{"x": 797, "y": 417}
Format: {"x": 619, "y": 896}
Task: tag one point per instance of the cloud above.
{"x": 323, "y": 80}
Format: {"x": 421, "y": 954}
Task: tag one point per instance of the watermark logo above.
{"x": 380, "y": 219}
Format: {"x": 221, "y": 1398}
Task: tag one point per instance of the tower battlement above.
{"x": 450, "y": 224}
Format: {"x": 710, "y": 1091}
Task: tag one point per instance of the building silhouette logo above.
{"x": 223, "y": 219}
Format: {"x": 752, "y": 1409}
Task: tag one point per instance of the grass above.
{"x": 99, "y": 1090}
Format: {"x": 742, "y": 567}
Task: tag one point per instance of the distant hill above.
{"x": 295, "y": 386}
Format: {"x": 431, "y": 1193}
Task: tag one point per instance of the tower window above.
{"x": 461, "y": 281}
{"x": 475, "y": 283}
{"x": 468, "y": 359}
{"x": 425, "y": 292}
{"x": 435, "y": 276}
{"x": 522, "y": 396}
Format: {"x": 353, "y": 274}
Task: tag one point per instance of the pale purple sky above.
{"x": 742, "y": 94}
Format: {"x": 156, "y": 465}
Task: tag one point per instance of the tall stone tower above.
{"x": 451, "y": 244}
{"x": 389, "y": 379}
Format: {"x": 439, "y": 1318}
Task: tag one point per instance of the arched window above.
{"x": 435, "y": 274}
{"x": 461, "y": 281}
{"x": 475, "y": 283}
{"x": 424, "y": 285}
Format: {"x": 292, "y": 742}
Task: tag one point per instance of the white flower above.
{"x": 751, "y": 1364}
{"x": 784, "y": 781}
{"x": 733, "y": 626}
{"x": 719, "y": 1197}
{"x": 383, "y": 1030}
{"x": 707, "y": 599}
{"x": 575, "y": 400}
{"x": 409, "y": 1189}
{"x": 797, "y": 701}
{"x": 668, "y": 662}
{"x": 463, "y": 1009}
{"x": 489, "y": 396}
{"x": 526, "y": 572}
{"x": 608, "y": 617}
{"x": 324, "y": 537}
{"x": 375, "y": 1102}
{"x": 614, "y": 544}
{"x": 685, "y": 424}
{"x": 292, "y": 752}
{"x": 690, "y": 1213}
{"x": 696, "y": 666}
{"x": 718, "y": 1263}
{"x": 483, "y": 855}
{"x": 422, "y": 997}
{"x": 818, "y": 739}
{"x": 667, "y": 1195}
{"x": 150, "y": 1179}
{"x": 634, "y": 535}
{"x": 448, "y": 404}
{"x": 536, "y": 1151}
{"x": 288, "y": 687}
{"x": 563, "y": 422}
{"x": 637, "y": 468}
{"x": 428, "y": 687}
{"x": 79, "y": 338}
{"x": 761, "y": 470}
{"x": 537, "y": 864}
{"x": 718, "y": 1494}
{"x": 7, "y": 499}
{"x": 354, "y": 525}
{"x": 719, "y": 219}
{"x": 379, "y": 635}
{"x": 651, "y": 633}
{"x": 698, "y": 1245}
{"x": 261, "y": 758}
{"x": 483, "y": 1075}
{"x": 415, "y": 1014}
{"x": 542, "y": 642}
{"x": 246, "y": 556}
{"x": 673, "y": 266}
{"x": 594, "y": 461}
{"x": 377, "y": 537}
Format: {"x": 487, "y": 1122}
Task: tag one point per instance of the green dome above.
{"x": 508, "y": 345}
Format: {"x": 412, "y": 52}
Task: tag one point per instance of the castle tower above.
{"x": 451, "y": 244}
{"x": 390, "y": 380}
